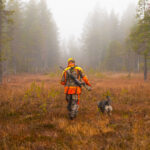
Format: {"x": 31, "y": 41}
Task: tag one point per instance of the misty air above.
{"x": 74, "y": 74}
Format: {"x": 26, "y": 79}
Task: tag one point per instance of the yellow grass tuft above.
{"x": 83, "y": 128}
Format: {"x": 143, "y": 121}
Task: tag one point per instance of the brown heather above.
{"x": 33, "y": 114}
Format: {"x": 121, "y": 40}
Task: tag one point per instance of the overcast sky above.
{"x": 70, "y": 15}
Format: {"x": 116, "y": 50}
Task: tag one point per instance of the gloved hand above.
{"x": 89, "y": 88}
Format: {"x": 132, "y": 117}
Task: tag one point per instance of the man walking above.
{"x": 72, "y": 89}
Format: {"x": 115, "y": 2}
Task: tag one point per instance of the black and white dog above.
{"x": 105, "y": 106}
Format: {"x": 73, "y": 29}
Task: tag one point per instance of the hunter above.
{"x": 72, "y": 89}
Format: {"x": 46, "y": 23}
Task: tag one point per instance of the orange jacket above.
{"x": 70, "y": 86}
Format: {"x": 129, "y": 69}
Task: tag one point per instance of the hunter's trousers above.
{"x": 73, "y": 104}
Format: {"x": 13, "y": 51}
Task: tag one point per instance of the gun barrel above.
{"x": 61, "y": 68}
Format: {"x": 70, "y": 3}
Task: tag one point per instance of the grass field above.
{"x": 33, "y": 114}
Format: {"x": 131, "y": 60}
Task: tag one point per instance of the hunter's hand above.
{"x": 83, "y": 83}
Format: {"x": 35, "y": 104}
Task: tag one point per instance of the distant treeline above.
{"x": 109, "y": 41}
{"x": 105, "y": 43}
{"x": 104, "y": 40}
{"x": 32, "y": 38}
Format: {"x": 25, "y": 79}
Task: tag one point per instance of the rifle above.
{"x": 77, "y": 82}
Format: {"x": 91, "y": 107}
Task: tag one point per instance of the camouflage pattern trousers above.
{"x": 73, "y": 106}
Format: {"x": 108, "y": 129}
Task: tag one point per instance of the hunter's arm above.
{"x": 84, "y": 77}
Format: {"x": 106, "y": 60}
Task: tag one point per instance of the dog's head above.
{"x": 105, "y": 105}
{"x": 108, "y": 101}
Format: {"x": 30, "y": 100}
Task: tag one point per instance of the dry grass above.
{"x": 33, "y": 114}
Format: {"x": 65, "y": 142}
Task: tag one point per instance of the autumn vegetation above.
{"x": 113, "y": 49}
{"x": 33, "y": 114}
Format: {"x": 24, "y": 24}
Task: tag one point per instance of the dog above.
{"x": 104, "y": 106}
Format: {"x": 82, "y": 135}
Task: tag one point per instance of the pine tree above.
{"x": 95, "y": 37}
{"x": 4, "y": 19}
{"x": 140, "y": 35}
{"x": 14, "y": 57}
{"x": 48, "y": 36}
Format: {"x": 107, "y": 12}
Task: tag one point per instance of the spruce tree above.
{"x": 140, "y": 34}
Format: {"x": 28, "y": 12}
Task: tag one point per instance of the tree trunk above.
{"x": 145, "y": 67}
{"x": 128, "y": 64}
{"x": 0, "y": 44}
{"x": 1, "y": 72}
{"x": 138, "y": 64}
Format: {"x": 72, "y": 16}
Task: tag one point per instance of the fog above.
{"x": 70, "y": 15}
{"x": 44, "y": 34}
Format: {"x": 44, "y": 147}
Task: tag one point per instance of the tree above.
{"x": 49, "y": 37}
{"x": 95, "y": 37}
{"x": 127, "y": 21}
{"x": 140, "y": 34}
{"x": 113, "y": 58}
{"x": 40, "y": 38}
{"x": 14, "y": 57}
{"x": 4, "y": 18}
{"x": 113, "y": 27}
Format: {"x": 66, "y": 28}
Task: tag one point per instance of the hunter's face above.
{"x": 71, "y": 63}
